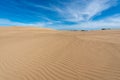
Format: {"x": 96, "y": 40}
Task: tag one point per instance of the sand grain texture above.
{"x": 44, "y": 54}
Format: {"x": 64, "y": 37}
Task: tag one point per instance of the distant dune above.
{"x": 46, "y": 54}
{"x": 25, "y": 28}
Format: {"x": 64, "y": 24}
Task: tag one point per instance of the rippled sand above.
{"x": 44, "y": 54}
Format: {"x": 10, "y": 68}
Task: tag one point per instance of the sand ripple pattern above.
{"x": 34, "y": 55}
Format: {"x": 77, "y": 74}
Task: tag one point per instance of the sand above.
{"x": 46, "y": 54}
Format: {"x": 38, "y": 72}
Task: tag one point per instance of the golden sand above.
{"x": 45, "y": 54}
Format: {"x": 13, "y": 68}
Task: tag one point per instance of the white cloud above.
{"x": 97, "y": 6}
{"x": 7, "y": 22}
{"x": 83, "y": 10}
{"x": 78, "y": 10}
{"x": 37, "y": 5}
{"x": 112, "y": 22}
{"x": 109, "y": 22}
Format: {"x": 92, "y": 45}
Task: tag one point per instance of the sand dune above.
{"x": 44, "y": 54}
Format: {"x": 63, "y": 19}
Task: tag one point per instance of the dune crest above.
{"x": 29, "y": 54}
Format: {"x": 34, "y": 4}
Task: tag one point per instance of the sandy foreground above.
{"x": 45, "y": 54}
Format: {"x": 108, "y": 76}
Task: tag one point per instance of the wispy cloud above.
{"x": 77, "y": 11}
{"x": 108, "y": 22}
{"x": 80, "y": 10}
{"x": 7, "y": 22}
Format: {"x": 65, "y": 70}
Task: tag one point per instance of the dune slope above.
{"x": 42, "y": 54}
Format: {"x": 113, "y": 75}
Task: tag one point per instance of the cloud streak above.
{"x": 7, "y": 22}
{"x": 87, "y": 11}
{"x": 80, "y": 10}
{"x": 62, "y": 14}
{"x": 108, "y": 22}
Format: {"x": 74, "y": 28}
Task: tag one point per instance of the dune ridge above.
{"x": 45, "y": 54}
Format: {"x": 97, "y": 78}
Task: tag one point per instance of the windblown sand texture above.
{"x": 45, "y": 54}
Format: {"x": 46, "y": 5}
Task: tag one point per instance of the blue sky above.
{"x": 61, "y": 14}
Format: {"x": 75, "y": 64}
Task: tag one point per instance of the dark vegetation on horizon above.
{"x": 105, "y": 29}
{"x": 87, "y": 30}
